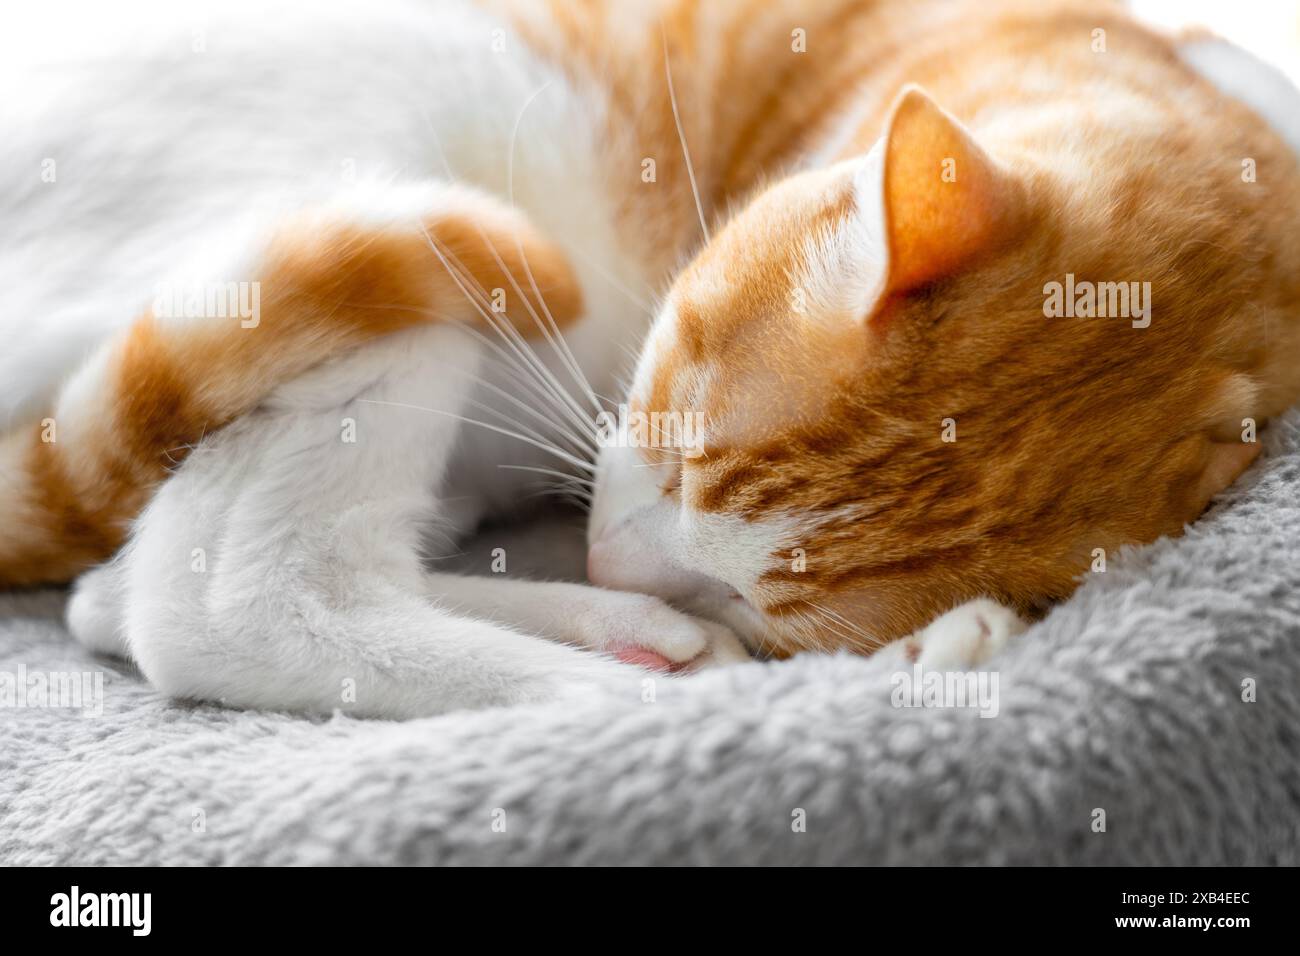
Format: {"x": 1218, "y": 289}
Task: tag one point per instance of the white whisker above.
{"x": 561, "y": 347}
{"x": 549, "y": 449}
{"x": 509, "y": 335}
{"x": 686, "y": 153}
{"x": 553, "y": 472}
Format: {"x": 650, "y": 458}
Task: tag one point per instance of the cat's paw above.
{"x": 723, "y": 648}
{"x": 965, "y": 637}
{"x": 643, "y": 630}
{"x": 94, "y": 612}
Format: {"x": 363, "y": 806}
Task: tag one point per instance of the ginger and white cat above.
{"x": 854, "y": 206}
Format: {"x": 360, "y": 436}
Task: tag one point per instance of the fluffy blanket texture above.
{"x": 1162, "y": 702}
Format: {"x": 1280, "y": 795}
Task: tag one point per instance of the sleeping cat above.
{"x": 382, "y": 255}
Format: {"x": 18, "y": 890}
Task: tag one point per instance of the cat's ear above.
{"x": 943, "y": 200}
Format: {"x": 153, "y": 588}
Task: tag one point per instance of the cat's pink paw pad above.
{"x": 641, "y": 657}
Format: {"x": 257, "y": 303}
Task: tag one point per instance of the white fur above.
{"x": 171, "y": 164}
{"x": 281, "y": 566}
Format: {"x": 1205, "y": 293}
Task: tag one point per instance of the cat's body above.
{"x": 428, "y": 94}
{"x": 281, "y": 564}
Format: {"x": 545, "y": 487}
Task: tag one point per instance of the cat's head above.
{"x": 857, "y": 407}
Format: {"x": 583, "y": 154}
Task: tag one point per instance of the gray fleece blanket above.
{"x": 1152, "y": 719}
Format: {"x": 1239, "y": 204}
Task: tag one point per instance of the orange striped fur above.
{"x": 326, "y": 287}
{"x": 1071, "y": 435}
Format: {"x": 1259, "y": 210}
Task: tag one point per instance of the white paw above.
{"x": 94, "y": 612}
{"x": 723, "y": 648}
{"x": 965, "y": 637}
{"x": 643, "y": 630}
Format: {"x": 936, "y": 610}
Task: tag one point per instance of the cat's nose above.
{"x": 607, "y": 568}
{"x": 626, "y": 560}
{"x": 632, "y": 552}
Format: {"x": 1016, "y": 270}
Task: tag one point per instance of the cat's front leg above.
{"x": 635, "y": 628}
{"x": 966, "y": 637}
